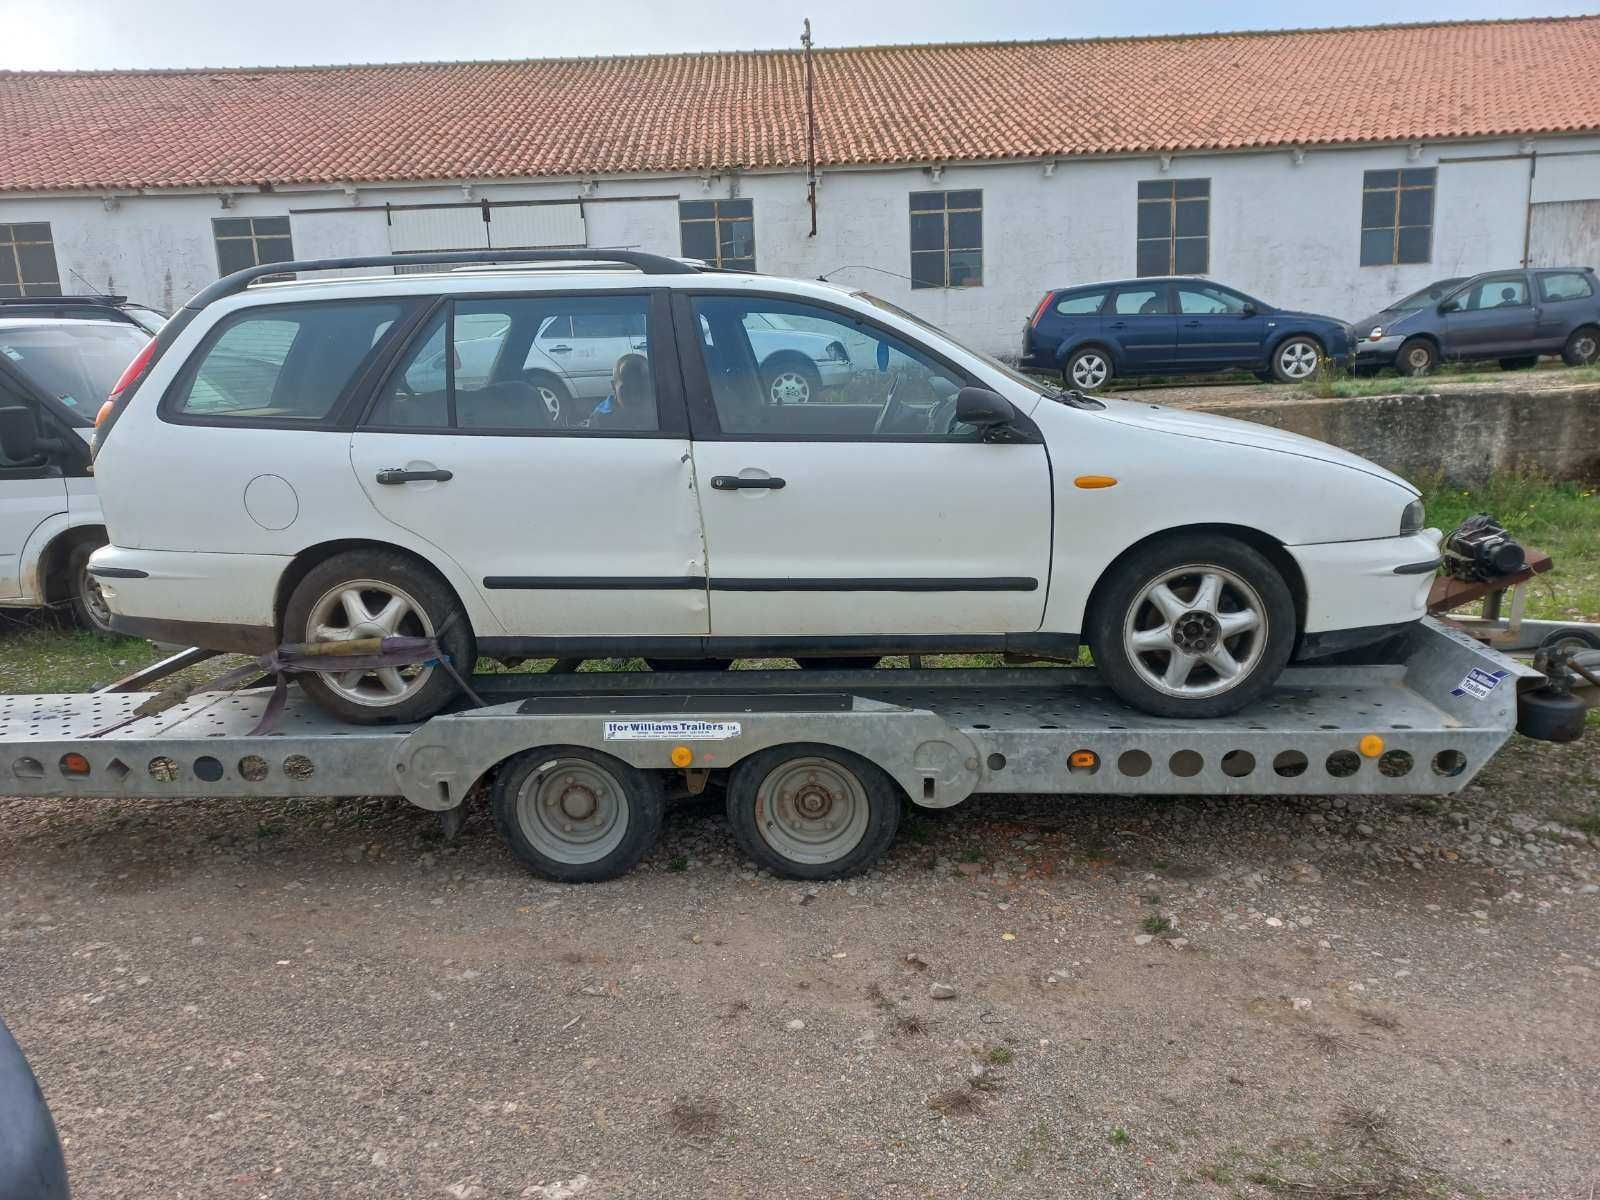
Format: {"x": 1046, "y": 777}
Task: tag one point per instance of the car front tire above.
{"x": 790, "y": 379}
{"x": 1191, "y": 626}
{"x": 1296, "y": 359}
{"x": 1417, "y": 357}
{"x": 1088, "y": 369}
{"x": 379, "y": 593}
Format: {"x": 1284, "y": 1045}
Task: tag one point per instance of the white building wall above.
{"x": 1285, "y": 231}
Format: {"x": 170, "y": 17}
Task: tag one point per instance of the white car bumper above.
{"x": 1370, "y": 583}
{"x": 152, "y": 592}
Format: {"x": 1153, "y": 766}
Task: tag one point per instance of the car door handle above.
{"x": 733, "y": 483}
{"x": 1191, "y": 324}
{"x": 560, "y": 350}
{"x": 1119, "y": 324}
{"x": 390, "y": 475}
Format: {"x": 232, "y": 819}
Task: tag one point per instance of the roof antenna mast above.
{"x": 811, "y": 132}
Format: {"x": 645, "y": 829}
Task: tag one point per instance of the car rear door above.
{"x": 1564, "y": 301}
{"x": 872, "y": 515}
{"x": 32, "y": 490}
{"x": 568, "y": 527}
{"x": 1496, "y": 316}
{"x": 1140, "y": 321}
{"x": 1217, "y": 328}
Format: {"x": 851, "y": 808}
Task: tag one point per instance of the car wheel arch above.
{"x": 1064, "y": 355}
{"x": 1311, "y": 335}
{"x": 313, "y": 556}
{"x": 54, "y": 587}
{"x": 1270, "y": 547}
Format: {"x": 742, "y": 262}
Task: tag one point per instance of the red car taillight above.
{"x": 1039, "y": 311}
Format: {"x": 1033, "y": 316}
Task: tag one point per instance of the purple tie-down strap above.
{"x": 357, "y": 654}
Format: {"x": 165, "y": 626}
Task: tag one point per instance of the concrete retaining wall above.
{"x": 1462, "y": 436}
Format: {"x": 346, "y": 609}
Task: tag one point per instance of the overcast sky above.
{"x": 87, "y": 34}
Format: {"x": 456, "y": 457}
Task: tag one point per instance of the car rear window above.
{"x": 1565, "y": 285}
{"x": 284, "y": 363}
{"x": 1080, "y": 304}
{"x": 75, "y": 363}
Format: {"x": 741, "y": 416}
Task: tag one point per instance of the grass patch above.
{"x": 1155, "y": 924}
{"x": 1002, "y": 1056}
{"x": 956, "y": 1102}
{"x": 1119, "y": 1136}
{"x": 678, "y": 862}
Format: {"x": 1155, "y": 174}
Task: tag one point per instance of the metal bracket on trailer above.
{"x": 942, "y": 734}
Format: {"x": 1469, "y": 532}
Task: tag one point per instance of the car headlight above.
{"x": 1374, "y": 333}
{"x": 1411, "y": 520}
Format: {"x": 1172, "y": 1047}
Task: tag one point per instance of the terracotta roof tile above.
{"x": 693, "y": 112}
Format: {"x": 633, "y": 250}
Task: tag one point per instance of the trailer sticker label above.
{"x": 670, "y": 731}
{"x": 1479, "y": 683}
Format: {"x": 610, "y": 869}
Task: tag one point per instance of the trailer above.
{"x": 817, "y": 765}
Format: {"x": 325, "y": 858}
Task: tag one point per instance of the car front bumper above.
{"x": 1377, "y": 350}
{"x": 1373, "y": 582}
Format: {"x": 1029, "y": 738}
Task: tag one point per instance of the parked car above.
{"x": 86, "y": 307}
{"x": 1514, "y": 316}
{"x": 1174, "y": 326}
{"x": 55, "y": 372}
{"x": 950, "y": 504}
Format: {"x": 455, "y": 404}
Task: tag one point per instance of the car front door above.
{"x": 1494, "y": 315}
{"x": 1140, "y": 320}
{"x": 1218, "y": 328}
{"x": 32, "y": 490}
{"x": 873, "y": 514}
{"x": 570, "y": 527}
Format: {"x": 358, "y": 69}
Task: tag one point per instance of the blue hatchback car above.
{"x": 1174, "y": 326}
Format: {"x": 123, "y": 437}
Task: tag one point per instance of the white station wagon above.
{"x": 313, "y": 461}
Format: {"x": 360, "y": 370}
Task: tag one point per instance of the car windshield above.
{"x": 1031, "y": 382}
{"x": 76, "y": 362}
{"x": 1431, "y": 294}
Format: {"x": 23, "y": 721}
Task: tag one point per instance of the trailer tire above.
{"x": 576, "y": 815}
{"x": 809, "y": 811}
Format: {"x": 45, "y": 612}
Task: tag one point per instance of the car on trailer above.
{"x": 947, "y": 504}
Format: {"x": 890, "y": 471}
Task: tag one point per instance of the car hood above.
{"x": 1181, "y": 423}
{"x": 1305, "y": 316}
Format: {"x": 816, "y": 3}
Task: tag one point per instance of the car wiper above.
{"x": 1076, "y": 399}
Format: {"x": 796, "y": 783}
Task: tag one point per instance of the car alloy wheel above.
{"x": 1090, "y": 370}
{"x": 1195, "y": 631}
{"x": 369, "y": 608}
{"x": 1298, "y": 359}
{"x": 789, "y": 387}
{"x": 551, "y": 402}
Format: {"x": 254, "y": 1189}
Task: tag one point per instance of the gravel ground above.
{"x": 1233, "y": 997}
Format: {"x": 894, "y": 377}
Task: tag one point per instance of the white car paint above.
{"x": 577, "y": 507}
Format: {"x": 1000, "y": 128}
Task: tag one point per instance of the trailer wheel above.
{"x": 575, "y": 815}
{"x": 808, "y": 811}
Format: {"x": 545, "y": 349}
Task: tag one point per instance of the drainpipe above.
{"x": 1527, "y": 221}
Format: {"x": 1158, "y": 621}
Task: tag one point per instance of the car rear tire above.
{"x": 1089, "y": 369}
{"x": 1296, "y": 359}
{"x": 1521, "y": 363}
{"x": 809, "y": 811}
{"x": 576, "y": 815}
{"x": 790, "y": 379}
{"x": 378, "y": 593}
{"x": 1191, "y": 626}
{"x": 84, "y": 599}
{"x": 1417, "y": 356}
{"x": 1583, "y": 347}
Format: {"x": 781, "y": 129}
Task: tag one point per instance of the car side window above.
{"x": 1141, "y": 302}
{"x": 1504, "y": 291}
{"x": 1081, "y": 304}
{"x": 1203, "y": 299}
{"x": 1564, "y": 285}
{"x": 781, "y": 368}
{"x": 289, "y": 363}
{"x": 16, "y": 399}
{"x": 521, "y": 364}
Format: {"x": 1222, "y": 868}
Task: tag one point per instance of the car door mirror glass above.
{"x": 983, "y": 408}
{"x": 19, "y": 434}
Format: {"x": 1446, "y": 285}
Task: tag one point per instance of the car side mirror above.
{"x": 30, "y": 1151}
{"x": 1249, "y": 310}
{"x": 1448, "y": 306}
{"x": 19, "y": 433}
{"x": 984, "y": 409}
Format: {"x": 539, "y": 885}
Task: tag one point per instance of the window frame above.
{"x": 946, "y": 249}
{"x": 715, "y": 220}
{"x": 1172, "y": 237}
{"x": 706, "y": 426}
{"x": 1175, "y": 305}
{"x": 350, "y": 401}
{"x": 1399, "y": 189}
{"x": 254, "y": 239}
{"x": 1489, "y": 279}
{"x": 671, "y": 415}
{"x": 10, "y": 246}
{"x": 1165, "y": 288}
{"x": 1542, "y": 277}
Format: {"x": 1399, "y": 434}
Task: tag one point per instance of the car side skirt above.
{"x": 1043, "y": 645}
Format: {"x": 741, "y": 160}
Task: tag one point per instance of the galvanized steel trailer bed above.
{"x": 942, "y": 735}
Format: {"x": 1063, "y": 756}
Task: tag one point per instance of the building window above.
{"x": 28, "y": 261}
{"x": 249, "y": 241}
{"x": 946, "y": 239}
{"x": 1174, "y": 227}
{"x": 1397, "y": 217}
{"x": 721, "y": 232}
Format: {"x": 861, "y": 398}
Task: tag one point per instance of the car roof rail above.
{"x": 52, "y": 301}
{"x": 231, "y": 285}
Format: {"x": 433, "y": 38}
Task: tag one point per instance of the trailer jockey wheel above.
{"x": 813, "y": 812}
{"x": 575, "y": 815}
